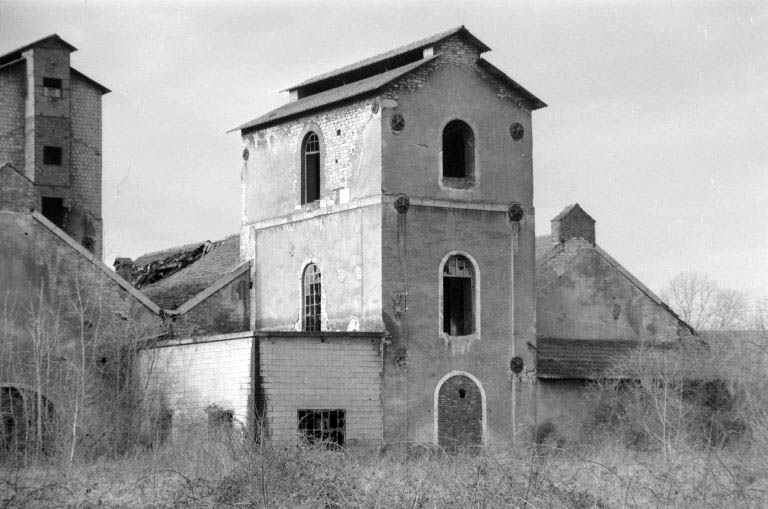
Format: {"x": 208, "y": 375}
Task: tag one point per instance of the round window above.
{"x": 397, "y": 123}
{"x": 517, "y": 131}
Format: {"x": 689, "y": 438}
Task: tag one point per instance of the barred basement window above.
{"x": 310, "y": 168}
{"x": 325, "y": 426}
{"x": 458, "y": 296}
{"x": 311, "y": 296}
{"x": 52, "y": 155}
{"x": 51, "y": 87}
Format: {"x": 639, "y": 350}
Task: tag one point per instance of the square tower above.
{"x": 396, "y": 194}
{"x": 50, "y": 131}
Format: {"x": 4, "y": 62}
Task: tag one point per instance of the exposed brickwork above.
{"x": 573, "y": 222}
{"x": 86, "y": 152}
{"x": 12, "y": 93}
{"x": 189, "y": 376}
{"x": 459, "y": 413}
{"x": 453, "y": 51}
{"x": 312, "y": 373}
{"x": 339, "y": 130}
{"x": 31, "y": 118}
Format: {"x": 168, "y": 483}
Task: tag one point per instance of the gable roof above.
{"x": 497, "y": 73}
{"x": 572, "y": 207}
{"x": 332, "y": 96}
{"x": 53, "y": 39}
{"x": 50, "y": 39}
{"x": 172, "y": 291}
{"x": 391, "y": 54}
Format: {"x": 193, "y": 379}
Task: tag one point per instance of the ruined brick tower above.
{"x": 50, "y": 132}
{"x": 396, "y": 194}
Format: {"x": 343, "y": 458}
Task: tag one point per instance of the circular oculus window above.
{"x": 397, "y": 123}
{"x": 517, "y": 131}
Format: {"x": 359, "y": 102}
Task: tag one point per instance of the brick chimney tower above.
{"x": 573, "y": 222}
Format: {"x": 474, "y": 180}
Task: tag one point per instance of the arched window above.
{"x": 310, "y": 168}
{"x": 458, "y": 151}
{"x": 311, "y": 298}
{"x": 458, "y": 296}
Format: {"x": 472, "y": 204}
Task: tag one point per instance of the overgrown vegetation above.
{"x": 668, "y": 428}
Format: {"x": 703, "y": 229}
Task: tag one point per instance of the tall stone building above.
{"x": 50, "y": 131}
{"x": 396, "y": 194}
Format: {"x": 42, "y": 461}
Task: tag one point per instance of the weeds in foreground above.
{"x": 225, "y": 469}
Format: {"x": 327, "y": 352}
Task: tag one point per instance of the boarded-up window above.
{"x": 312, "y": 298}
{"x": 328, "y": 426}
{"x": 458, "y": 296}
{"x": 310, "y": 168}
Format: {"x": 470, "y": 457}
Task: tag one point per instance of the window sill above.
{"x": 458, "y": 183}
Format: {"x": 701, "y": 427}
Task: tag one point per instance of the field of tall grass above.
{"x": 222, "y": 468}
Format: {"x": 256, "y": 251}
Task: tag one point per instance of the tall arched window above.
{"x": 458, "y": 151}
{"x": 310, "y": 168}
{"x": 458, "y": 296}
{"x": 311, "y": 298}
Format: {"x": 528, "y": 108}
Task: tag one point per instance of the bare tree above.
{"x": 691, "y": 295}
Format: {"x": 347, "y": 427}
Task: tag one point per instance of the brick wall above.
{"x": 348, "y": 158}
{"x": 460, "y": 413}
{"x": 12, "y": 107}
{"x": 322, "y": 372}
{"x": 86, "y": 152}
{"x": 189, "y": 375}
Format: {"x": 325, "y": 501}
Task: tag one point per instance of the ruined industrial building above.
{"x": 386, "y": 284}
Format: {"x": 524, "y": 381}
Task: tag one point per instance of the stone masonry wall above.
{"x": 317, "y": 372}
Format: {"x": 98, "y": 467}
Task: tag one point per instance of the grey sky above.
{"x": 655, "y": 125}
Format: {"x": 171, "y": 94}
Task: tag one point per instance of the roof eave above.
{"x": 104, "y": 90}
{"x": 536, "y": 103}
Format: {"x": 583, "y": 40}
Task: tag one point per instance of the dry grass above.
{"x": 224, "y": 470}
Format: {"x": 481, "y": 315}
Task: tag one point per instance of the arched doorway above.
{"x": 26, "y": 422}
{"x": 459, "y": 411}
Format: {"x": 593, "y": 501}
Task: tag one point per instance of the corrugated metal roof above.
{"x": 332, "y": 96}
{"x": 422, "y": 43}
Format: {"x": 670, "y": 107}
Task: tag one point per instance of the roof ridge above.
{"x": 392, "y": 53}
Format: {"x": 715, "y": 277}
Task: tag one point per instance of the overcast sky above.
{"x": 656, "y": 122}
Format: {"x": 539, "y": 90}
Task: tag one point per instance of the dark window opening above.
{"x": 310, "y": 169}
{"x": 54, "y": 210}
{"x": 89, "y": 243}
{"x": 462, "y": 393}
{"x": 458, "y": 297}
{"x": 52, "y": 155}
{"x": 52, "y": 87}
{"x": 324, "y": 426}
{"x": 458, "y": 151}
{"x": 311, "y": 298}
